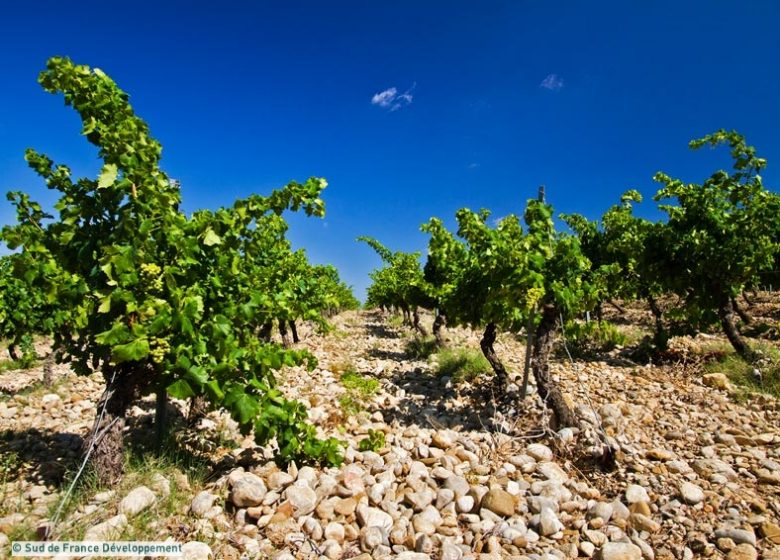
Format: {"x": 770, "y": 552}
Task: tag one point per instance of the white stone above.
{"x": 302, "y": 498}
{"x": 587, "y": 548}
{"x": 136, "y": 501}
{"x": 549, "y": 524}
{"x": 457, "y": 484}
{"x": 248, "y": 490}
{"x": 551, "y": 471}
{"x": 621, "y": 551}
{"x": 194, "y": 550}
{"x": 374, "y": 517}
{"x": 635, "y": 494}
{"x": 370, "y": 538}
{"x": 202, "y": 503}
{"x": 691, "y": 493}
{"x": 334, "y": 531}
{"x": 278, "y": 480}
{"x": 427, "y": 521}
{"x": 465, "y": 504}
{"x": 539, "y": 452}
{"x": 109, "y": 530}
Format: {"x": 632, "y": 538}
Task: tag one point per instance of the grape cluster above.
{"x": 159, "y": 348}
{"x": 151, "y": 275}
{"x": 532, "y": 297}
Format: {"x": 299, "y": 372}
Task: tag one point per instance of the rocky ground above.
{"x": 698, "y": 472}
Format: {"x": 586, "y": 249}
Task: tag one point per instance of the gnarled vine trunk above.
{"x": 747, "y": 319}
{"x": 199, "y": 406}
{"x": 294, "y": 331}
{"x": 660, "y": 336}
{"x": 619, "y": 308}
{"x": 12, "y": 352}
{"x": 160, "y": 418}
{"x": 540, "y": 365}
{"x": 486, "y": 344}
{"x": 284, "y": 333}
{"x": 726, "y": 316}
{"x": 48, "y": 369}
{"x": 439, "y": 323}
{"x": 265, "y": 332}
{"x": 416, "y": 322}
{"x": 105, "y": 443}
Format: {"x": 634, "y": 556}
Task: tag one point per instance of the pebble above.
{"x": 499, "y": 501}
{"x": 540, "y": 452}
{"x": 202, "y": 503}
{"x": 739, "y": 536}
{"x": 194, "y": 550}
{"x": 109, "y": 530}
{"x": 247, "y": 490}
{"x": 743, "y": 551}
{"x": 691, "y": 493}
{"x": 136, "y": 501}
{"x": 302, "y": 498}
{"x": 621, "y": 551}
{"x": 635, "y": 493}
{"x": 549, "y": 524}
{"x": 373, "y": 517}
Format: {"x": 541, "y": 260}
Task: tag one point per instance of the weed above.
{"x": 364, "y": 386}
{"x": 374, "y": 442}
{"x": 593, "y": 337}
{"x": 141, "y": 468}
{"x": 339, "y": 334}
{"x": 396, "y": 321}
{"x": 25, "y": 362}
{"x": 24, "y": 531}
{"x": 349, "y": 405}
{"x": 760, "y": 377}
{"x": 461, "y": 364}
{"x": 420, "y": 348}
{"x": 10, "y": 465}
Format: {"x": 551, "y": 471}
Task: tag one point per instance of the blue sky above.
{"x": 482, "y": 102}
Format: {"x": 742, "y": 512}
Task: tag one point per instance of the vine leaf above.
{"x": 107, "y": 176}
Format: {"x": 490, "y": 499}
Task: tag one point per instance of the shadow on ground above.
{"x": 427, "y": 401}
{"x": 382, "y": 354}
{"x": 40, "y": 457}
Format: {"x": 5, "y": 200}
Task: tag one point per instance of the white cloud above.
{"x": 392, "y": 100}
{"x": 553, "y": 82}
{"x": 384, "y": 98}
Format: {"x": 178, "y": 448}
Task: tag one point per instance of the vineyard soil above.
{"x": 698, "y": 471}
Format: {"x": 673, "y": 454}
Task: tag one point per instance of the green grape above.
{"x": 159, "y": 349}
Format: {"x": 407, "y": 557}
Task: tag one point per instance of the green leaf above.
{"x": 215, "y": 390}
{"x": 245, "y": 407}
{"x": 107, "y": 176}
{"x": 180, "y": 390}
{"x": 118, "y": 333}
{"x": 89, "y": 126}
{"x": 211, "y": 238}
{"x": 197, "y": 374}
{"x": 132, "y": 351}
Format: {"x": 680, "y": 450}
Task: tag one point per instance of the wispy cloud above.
{"x": 553, "y": 82}
{"x": 392, "y": 100}
{"x": 472, "y": 165}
